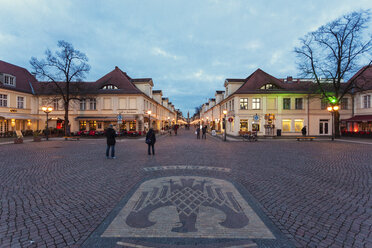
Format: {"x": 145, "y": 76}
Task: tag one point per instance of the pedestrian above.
{"x": 175, "y": 129}
{"x": 150, "y": 141}
{"x": 303, "y": 130}
{"x": 197, "y": 131}
{"x": 110, "y": 135}
{"x": 204, "y": 132}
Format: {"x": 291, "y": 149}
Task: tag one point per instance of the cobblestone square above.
{"x": 302, "y": 194}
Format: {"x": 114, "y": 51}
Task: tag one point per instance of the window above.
{"x": 83, "y": 104}
{"x": 286, "y": 125}
{"x": 345, "y": 103}
{"x": 286, "y": 103}
{"x": 269, "y": 87}
{"x": 244, "y": 125}
{"x": 324, "y": 104}
{"x": 92, "y": 104}
{"x": 20, "y": 102}
{"x": 9, "y": 80}
{"x": 256, "y": 103}
{"x": 255, "y": 127}
{"x": 299, "y": 103}
{"x": 299, "y": 124}
{"x": 232, "y": 104}
{"x": 82, "y": 125}
{"x": 55, "y": 104}
{"x": 367, "y": 101}
{"x": 243, "y": 103}
{"x": 109, "y": 87}
{"x": 3, "y": 100}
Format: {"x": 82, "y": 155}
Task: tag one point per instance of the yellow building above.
{"x": 115, "y": 99}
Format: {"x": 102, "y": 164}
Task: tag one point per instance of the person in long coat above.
{"x": 150, "y": 141}
{"x": 198, "y": 132}
{"x": 204, "y": 132}
{"x": 111, "y": 141}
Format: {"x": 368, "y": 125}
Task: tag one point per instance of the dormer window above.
{"x": 9, "y": 80}
{"x": 269, "y": 87}
{"x": 109, "y": 87}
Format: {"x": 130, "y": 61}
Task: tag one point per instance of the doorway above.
{"x": 324, "y": 127}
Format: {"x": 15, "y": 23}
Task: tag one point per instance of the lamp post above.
{"x": 332, "y": 109}
{"x": 149, "y": 113}
{"x": 47, "y": 110}
{"x": 224, "y": 123}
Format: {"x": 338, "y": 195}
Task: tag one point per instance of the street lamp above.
{"x": 168, "y": 122}
{"x": 333, "y": 109}
{"x": 224, "y": 122}
{"x": 47, "y": 110}
{"x": 149, "y": 113}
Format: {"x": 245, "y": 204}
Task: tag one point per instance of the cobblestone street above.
{"x": 305, "y": 194}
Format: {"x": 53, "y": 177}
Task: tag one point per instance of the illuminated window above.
{"x": 269, "y": 87}
{"x": 256, "y": 103}
{"x": 243, "y": 103}
{"x": 109, "y": 87}
{"x": 83, "y": 125}
{"x": 286, "y": 125}
{"x": 244, "y": 125}
{"x": 299, "y": 124}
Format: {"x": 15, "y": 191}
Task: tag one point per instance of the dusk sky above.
{"x": 187, "y": 47}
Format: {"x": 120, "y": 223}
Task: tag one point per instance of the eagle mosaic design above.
{"x": 187, "y": 195}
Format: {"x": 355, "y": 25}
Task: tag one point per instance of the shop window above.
{"x": 256, "y": 103}
{"x": 299, "y": 124}
{"x": 243, "y": 103}
{"x": 286, "y": 103}
{"x": 99, "y": 125}
{"x": 244, "y": 125}
{"x": 20, "y": 102}
{"x": 345, "y": 103}
{"x": 3, "y": 100}
{"x": 299, "y": 103}
{"x": 132, "y": 126}
{"x": 83, "y": 125}
{"x": 286, "y": 125}
{"x": 92, "y": 125}
{"x": 255, "y": 127}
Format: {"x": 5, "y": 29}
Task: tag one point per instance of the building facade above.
{"x": 129, "y": 104}
{"x": 270, "y": 106}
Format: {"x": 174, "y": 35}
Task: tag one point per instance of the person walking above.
{"x": 175, "y": 129}
{"x": 303, "y": 130}
{"x": 110, "y": 135}
{"x": 197, "y": 131}
{"x": 204, "y": 132}
{"x": 150, "y": 141}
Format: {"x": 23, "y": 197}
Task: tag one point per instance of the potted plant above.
{"x": 37, "y": 137}
{"x": 19, "y": 138}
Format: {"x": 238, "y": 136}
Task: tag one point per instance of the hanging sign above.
{"x": 230, "y": 119}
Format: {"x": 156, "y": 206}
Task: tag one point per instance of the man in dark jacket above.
{"x": 150, "y": 141}
{"x": 204, "y": 132}
{"x": 110, "y": 135}
{"x": 303, "y": 130}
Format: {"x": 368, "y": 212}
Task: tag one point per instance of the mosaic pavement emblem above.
{"x": 185, "y": 208}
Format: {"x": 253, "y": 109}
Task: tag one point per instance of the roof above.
{"x": 23, "y": 77}
{"x": 360, "y": 118}
{"x": 259, "y": 78}
{"x": 116, "y": 77}
{"x": 363, "y": 78}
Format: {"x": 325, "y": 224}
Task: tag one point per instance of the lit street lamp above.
{"x": 47, "y": 110}
{"x": 149, "y": 113}
{"x": 333, "y": 109}
{"x": 224, "y": 123}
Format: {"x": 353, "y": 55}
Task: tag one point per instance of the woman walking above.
{"x": 150, "y": 141}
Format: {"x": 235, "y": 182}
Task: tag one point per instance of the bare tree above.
{"x": 63, "y": 69}
{"x": 336, "y": 51}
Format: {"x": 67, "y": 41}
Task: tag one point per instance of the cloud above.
{"x": 275, "y": 57}
{"x": 161, "y": 52}
{"x": 252, "y": 45}
{"x": 202, "y": 76}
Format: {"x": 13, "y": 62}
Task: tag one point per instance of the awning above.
{"x": 360, "y": 118}
{"x": 104, "y": 118}
{"x": 17, "y": 116}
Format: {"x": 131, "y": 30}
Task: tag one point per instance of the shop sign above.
{"x": 230, "y": 119}
{"x": 12, "y": 110}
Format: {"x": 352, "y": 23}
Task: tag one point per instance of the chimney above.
{"x": 289, "y": 79}
{"x": 116, "y": 67}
